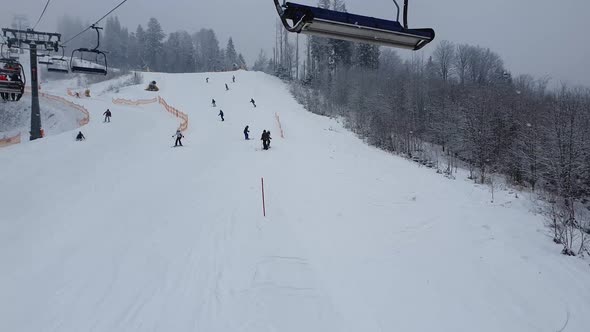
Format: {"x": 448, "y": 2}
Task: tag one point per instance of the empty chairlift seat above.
{"x": 59, "y": 66}
{"x": 88, "y": 61}
{"x": 357, "y": 28}
{"x": 45, "y": 60}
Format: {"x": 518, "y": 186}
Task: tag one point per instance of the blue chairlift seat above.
{"x": 351, "y": 27}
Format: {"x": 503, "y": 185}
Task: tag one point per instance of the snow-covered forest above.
{"x": 152, "y": 49}
{"x": 461, "y": 101}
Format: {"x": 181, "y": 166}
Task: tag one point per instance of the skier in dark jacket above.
{"x": 263, "y": 139}
{"x": 226, "y": 87}
{"x": 247, "y": 132}
{"x": 107, "y": 116}
{"x": 80, "y": 136}
{"x": 179, "y": 136}
{"x": 213, "y": 103}
{"x": 207, "y": 80}
{"x": 234, "y": 79}
{"x": 253, "y": 102}
{"x": 268, "y": 138}
{"x": 221, "y": 115}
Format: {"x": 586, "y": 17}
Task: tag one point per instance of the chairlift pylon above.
{"x": 81, "y": 64}
{"x": 357, "y": 28}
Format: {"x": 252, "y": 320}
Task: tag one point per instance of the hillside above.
{"x": 121, "y": 232}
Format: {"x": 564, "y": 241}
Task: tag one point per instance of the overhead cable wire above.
{"x": 42, "y": 13}
{"x": 95, "y": 23}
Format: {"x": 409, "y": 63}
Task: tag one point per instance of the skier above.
{"x": 213, "y": 103}
{"x": 268, "y": 138}
{"x": 253, "y": 102}
{"x": 179, "y": 136}
{"x": 263, "y": 138}
{"x": 246, "y": 132}
{"x": 107, "y": 116}
{"x": 234, "y": 78}
{"x": 207, "y": 80}
{"x": 221, "y": 115}
{"x": 226, "y": 87}
{"x": 80, "y": 136}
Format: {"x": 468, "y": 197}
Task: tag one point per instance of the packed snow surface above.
{"x": 121, "y": 232}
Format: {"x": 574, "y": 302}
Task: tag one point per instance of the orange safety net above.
{"x": 121, "y": 101}
{"x": 280, "y": 126}
{"x": 6, "y": 141}
{"x": 86, "y": 115}
{"x": 183, "y": 116}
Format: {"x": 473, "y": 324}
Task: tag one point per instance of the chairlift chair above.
{"x": 13, "y": 78}
{"x": 345, "y": 26}
{"x": 59, "y": 64}
{"x": 45, "y": 59}
{"x": 81, "y": 59}
{"x": 13, "y": 53}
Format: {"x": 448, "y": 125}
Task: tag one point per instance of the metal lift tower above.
{"x": 33, "y": 40}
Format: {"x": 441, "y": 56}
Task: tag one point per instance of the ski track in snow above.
{"x": 122, "y": 233}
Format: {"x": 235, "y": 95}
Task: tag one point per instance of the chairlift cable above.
{"x": 95, "y": 23}
{"x": 42, "y": 13}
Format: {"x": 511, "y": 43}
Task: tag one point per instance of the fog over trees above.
{"x": 151, "y": 48}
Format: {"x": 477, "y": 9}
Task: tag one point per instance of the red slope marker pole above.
{"x": 263, "y": 204}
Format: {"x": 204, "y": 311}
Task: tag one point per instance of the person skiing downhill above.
{"x": 265, "y": 139}
{"x": 253, "y": 102}
{"x": 268, "y": 138}
{"x": 80, "y": 136}
{"x": 213, "y": 103}
{"x": 247, "y": 132}
{"x": 226, "y": 87}
{"x": 221, "y": 115}
{"x": 107, "y": 116}
{"x": 234, "y": 78}
{"x": 207, "y": 80}
{"x": 179, "y": 136}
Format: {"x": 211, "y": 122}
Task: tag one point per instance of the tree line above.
{"x": 458, "y": 105}
{"x": 150, "y": 48}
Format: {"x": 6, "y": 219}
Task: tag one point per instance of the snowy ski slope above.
{"x": 124, "y": 233}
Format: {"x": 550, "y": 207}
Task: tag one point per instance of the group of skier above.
{"x": 107, "y": 118}
{"x": 265, "y": 138}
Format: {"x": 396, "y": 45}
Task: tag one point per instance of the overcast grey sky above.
{"x": 539, "y": 37}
